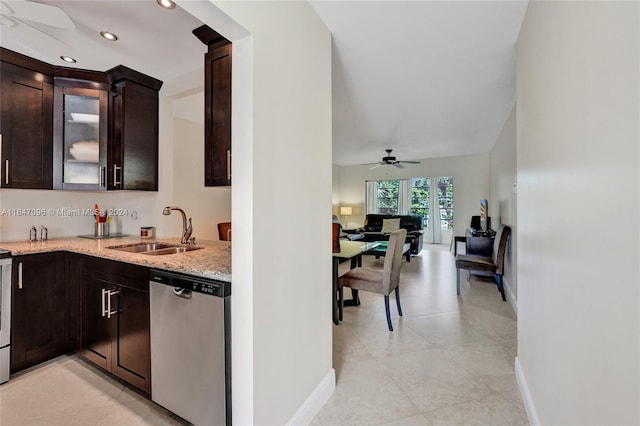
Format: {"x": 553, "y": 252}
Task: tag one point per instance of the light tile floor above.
{"x": 68, "y": 391}
{"x": 449, "y": 361}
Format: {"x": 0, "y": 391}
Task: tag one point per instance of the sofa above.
{"x": 372, "y": 229}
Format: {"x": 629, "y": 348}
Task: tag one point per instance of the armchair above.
{"x": 492, "y": 265}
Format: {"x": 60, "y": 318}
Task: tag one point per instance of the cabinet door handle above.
{"x": 6, "y": 163}
{"x": 103, "y": 302}
{"x": 20, "y": 275}
{"x": 101, "y": 171}
{"x": 1, "y": 153}
{"x": 115, "y": 175}
{"x": 109, "y": 294}
{"x": 228, "y": 164}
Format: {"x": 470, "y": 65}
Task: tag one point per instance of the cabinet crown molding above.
{"x": 209, "y": 36}
{"x": 119, "y": 73}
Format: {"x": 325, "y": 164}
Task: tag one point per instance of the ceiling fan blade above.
{"x": 376, "y": 166}
{"x": 410, "y": 162}
{"x": 398, "y": 165}
{"x": 40, "y": 13}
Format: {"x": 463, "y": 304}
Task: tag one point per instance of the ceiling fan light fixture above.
{"x": 68, "y": 59}
{"x": 390, "y": 160}
{"x": 166, "y": 4}
{"x": 108, "y": 35}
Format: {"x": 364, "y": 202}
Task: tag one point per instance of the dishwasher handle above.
{"x": 182, "y": 292}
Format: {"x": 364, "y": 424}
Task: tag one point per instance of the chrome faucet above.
{"x": 186, "y": 228}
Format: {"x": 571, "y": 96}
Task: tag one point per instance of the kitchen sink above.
{"x": 142, "y": 247}
{"x": 171, "y": 250}
{"x": 154, "y": 248}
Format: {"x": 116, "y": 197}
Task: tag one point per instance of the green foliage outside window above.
{"x": 388, "y": 196}
{"x": 445, "y": 201}
{"x": 420, "y": 199}
{"x": 421, "y": 192}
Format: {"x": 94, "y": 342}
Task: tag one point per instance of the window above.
{"x": 445, "y": 202}
{"x": 420, "y": 199}
{"x": 388, "y": 196}
{"x": 416, "y": 196}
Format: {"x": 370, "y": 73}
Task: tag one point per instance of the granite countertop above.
{"x": 212, "y": 261}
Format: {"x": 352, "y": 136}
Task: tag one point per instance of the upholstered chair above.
{"x": 490, "y": 265}
{"x": 378, "y": 281}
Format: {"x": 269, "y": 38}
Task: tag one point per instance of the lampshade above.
{"x": 346, "y": 211}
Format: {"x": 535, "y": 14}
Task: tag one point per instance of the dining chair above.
{"x": 378, "y": 281}
{"x": 491, "y": 265}
{"x": 224, "y": 231}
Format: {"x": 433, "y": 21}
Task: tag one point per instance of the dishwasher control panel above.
{"x": 195, "y": 284}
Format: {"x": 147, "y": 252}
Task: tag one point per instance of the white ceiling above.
{"x": 152, "y": 40}
{"x": 425, "y": 78}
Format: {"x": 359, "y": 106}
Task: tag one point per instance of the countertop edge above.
{"x": 213, "y": 261}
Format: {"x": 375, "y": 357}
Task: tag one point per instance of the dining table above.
{"x": 352, "y": 251}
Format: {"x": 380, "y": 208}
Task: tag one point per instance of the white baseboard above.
{"x": 526, "y": 395}
{"x": 315, "y": 401}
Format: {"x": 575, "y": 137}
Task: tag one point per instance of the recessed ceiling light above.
{"x": 167, "y": 4}
{"x": 109, "y": 36}
{"x": 68, "y": 59}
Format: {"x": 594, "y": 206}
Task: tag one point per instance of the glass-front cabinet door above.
{"x": 80, "y": 137}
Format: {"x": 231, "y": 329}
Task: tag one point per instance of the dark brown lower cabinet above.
{"x": 39, "y": 309}
{"x": 67, "y": 302}
{"x": 115, "y": 320}
{"x": 73, "y": 276}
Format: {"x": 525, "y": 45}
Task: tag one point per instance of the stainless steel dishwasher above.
{"x": 190, "y": 347}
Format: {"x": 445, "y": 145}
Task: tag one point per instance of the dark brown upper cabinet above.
{"x": 217, "y": 107}
{"x": 26, "y": 122}
{"x": 67, "y": 128}
{"x": 133, "y": 145}
{"x": 80, "y": 134}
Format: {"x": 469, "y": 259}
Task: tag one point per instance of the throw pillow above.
{"x": 390, "y": 225}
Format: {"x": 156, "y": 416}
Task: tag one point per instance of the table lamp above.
{"x": 346, "y": 211}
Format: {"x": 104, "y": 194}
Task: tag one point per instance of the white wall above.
{"x": 470, "y": 183}
{"x": 206, "y": 205}
{"x": 335, "y": 190}
{"x": 281, "y": 306}
{"x": 13, "y": 228}
{"x": 578, "y": 212}
{"x": 503, "y": 201}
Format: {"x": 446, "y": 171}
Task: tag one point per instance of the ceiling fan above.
{"x": 390, "y": 160}
{"x": 26, "y": 17}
